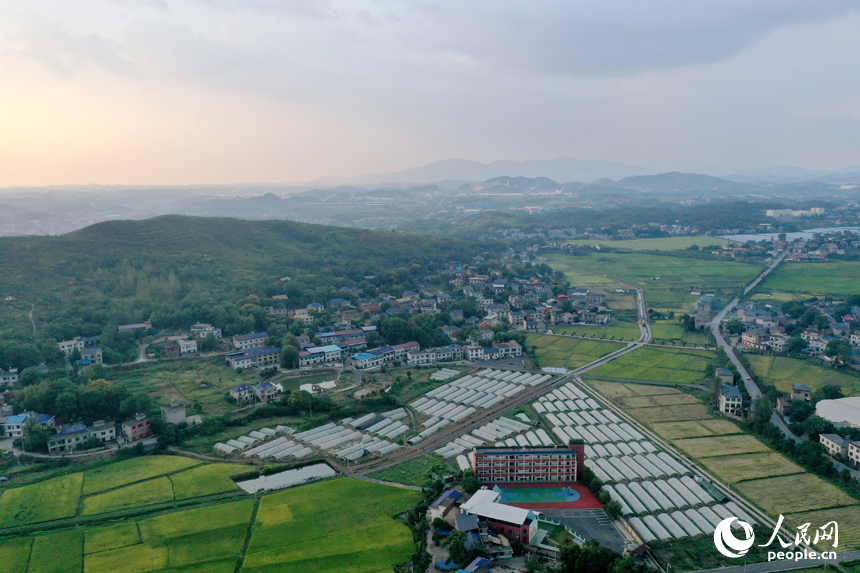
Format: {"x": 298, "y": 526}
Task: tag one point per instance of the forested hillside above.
{"x": 177, "y": 270}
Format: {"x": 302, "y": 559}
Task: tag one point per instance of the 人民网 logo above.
{"x": 727, "y": 543}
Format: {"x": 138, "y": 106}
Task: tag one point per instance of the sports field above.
{"x": 539, "y": 495}
{"x": 830, "y": 278}
{"x": 569, "y": 352}
{"x": 353, "y": 517}
{"x": 660, "y": 244}
{"x": 744, "y": 467}
{"x": 615, "y": 331}
{"x": 678, "y": 365}
{"x": 794, "y": 494}
{"x": 782, "y": 372}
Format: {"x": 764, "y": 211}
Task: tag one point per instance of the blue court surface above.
{"x": 538, "y": 494}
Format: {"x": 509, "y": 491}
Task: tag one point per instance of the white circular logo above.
{"x": 727, "y": 543}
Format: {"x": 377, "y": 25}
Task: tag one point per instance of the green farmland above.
{"x": 782, "y": 372}
{"x": 682, "y": 366}
{"x": 666, "y": 280}
{"x": 670, "y": 332}
{"x": 569, "y": 352}
{"x": 830, "y": 278}
{"x": 283, "y": 530}
{"x": 616, "y": 331}
{"x": 660, "y": 244}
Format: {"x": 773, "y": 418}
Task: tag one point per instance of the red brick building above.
{"x": 529, "y": 464}
{"x": 137, "y": 428}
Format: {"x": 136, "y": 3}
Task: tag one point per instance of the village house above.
{"x": 730, "y": 400}
{"x": 854, "y": 453}
{"x": 253, "y": 340}
{"x": 14, "y": 425}
{"x": 78, "y": 343}
{"x": 8, "y": 377}
{"x": 174, "y": 413}
{"x": 266, "y": 392}
{"x": 511, "y": 349}
{"x": 254, "y": 358}
{"x": 801, "y": 392}
{"x": 242, "y": 393}
{"x": 137, "y": 326}
{"x": 69, "y": 436}
{"x": 836, "y": 445}
{"x": 94, "y": 355}
{"x": 725, "y": 376}
{"x": 137, "y": 428}
{"x": 201, "y": 329}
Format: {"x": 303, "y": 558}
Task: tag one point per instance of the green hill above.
{"x": 177, "y": 270}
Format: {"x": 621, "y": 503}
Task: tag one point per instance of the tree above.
{"x": 762, "y": 411}
{"x": 36, "y": 436}
{"x": 734, "y": 326}
{"x": 90, "y": 443}
{"x": 208, "y": 343}
{"x": 289, "y": 357}
{"x": 800, "y": 411}
{"x": 470, "y": 482}
{"x": 613, "y": 508}
{"x": 839, "y": 349}
{"x": 795, "y": 344}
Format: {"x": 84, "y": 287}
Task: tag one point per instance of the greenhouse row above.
{"x": 686, "y": 523}
{"x": 650, "y": 497}
{"x": 243, "y": 442}
{"x": 492, "y": 432}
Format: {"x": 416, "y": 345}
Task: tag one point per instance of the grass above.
{"x": 720, "y": 446}
{"x": 794, "y": 494}
{"x": 113, "y": 537}
{"x": 58, "y": 553}
{"x": 666, "y": 280}
{"x": 848, "y": 519}
{"x": 15, "y": 555}
{"x": 782, "y": 372}
{"x": 55, "y": 498}
{"x": 353, "y": 517}
{"x": 205, "y": 480}
{"x": 133, "y": 470}
{"x": 661, "y": 244}
{"x": 568, "y": 352}
{"x": 203, "y": 444}
{"x": 831, "y": 278}
{"x": 417, "y": 470}
{"x": 150, "y": 492}
{"x": 779, "y": 297}
{"x": 732, "y": 469}
{"x": 695, "y": 429}
{"x": 617, "y": 331}
{"x": 680, "y": 366}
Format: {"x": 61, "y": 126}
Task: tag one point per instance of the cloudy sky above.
{"x": 221, "y": 91}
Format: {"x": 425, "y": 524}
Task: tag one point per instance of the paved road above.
{"x": 784, "y": 565}
{"x": 749, "y": 383}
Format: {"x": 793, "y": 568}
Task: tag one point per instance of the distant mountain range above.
{"x": 457, "y": 171}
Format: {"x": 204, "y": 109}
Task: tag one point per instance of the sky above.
{"x": 226, "y": 91}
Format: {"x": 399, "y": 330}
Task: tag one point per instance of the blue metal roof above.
{"x": 240, "y": 388}
{"x": 17, "y": 419}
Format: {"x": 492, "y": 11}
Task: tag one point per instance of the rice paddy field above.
{"x": 670, "y": 332}
{"x": 659, "y": 244}
{"x": 353, "y": 517}
{"x": 794, "y": 494}
{"x": 52, "y": 499}
{"x": 283, "y": 533}
{"x": 569, "y": 352}
{"x": 657, "y": 400}
{"x": 133, "y": 470}
{"x": 830, "y": 278}
{"x": 677, "y": 365}
{"x": 732, "y": 469}
{"x": 667, "y": 280}
{"x": 720, "y": 446}
{"x": 765, "y": 477}
{"x": 615, "y": 331}
{"x": 695, "y": 429}
{"x": 782, "y": 372}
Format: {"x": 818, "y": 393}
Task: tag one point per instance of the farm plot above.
{"x": 695, "y": 429}
{"x": 833, "y": 278}
{"x": 670, "y": 332}
{"x": 617, "y": 331}
{"x": 58, "y": 553}
{"x": 136, "y": 469}
{"x": 205, "y": 480}
{"x": 721, "y": 446}
{"x": 569, "y": 352}
{"x": 352, "y": 516}
{"x": 150, "y": 492}
{"x": 660, "y": 244}
{"x": 417, "y": 470}
{"x": 782, "y": 372}
{"x": 15, "y": 554}
{"x": 680, "y": 366}
{"x": 751, "y": 466}
{"x": 848, "y": 519}
{"x": 657, "y": 400}
{"x": 670, "y": 413}
{"x": 794, "y": 494}
{"x": 113, "y": 537}
{"x": 55, "y": 498}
